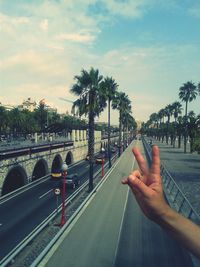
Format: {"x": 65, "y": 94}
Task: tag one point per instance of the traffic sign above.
{"x": 57, "y": 191}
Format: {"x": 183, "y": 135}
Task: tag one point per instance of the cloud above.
{"x": 44, "y": 25}
{"x": 194, "y": 11}
{"x": 77, "y": 37}
{"x": 10, "y": 24}
{"x": 124, "y": 8}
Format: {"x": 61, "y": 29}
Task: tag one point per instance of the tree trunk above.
{"x": 120, "y": 133}
{"x": 172, "y": 139}
{"x": 185, "y": 134}
{"x": 109, "y": 154}
{"x": 91, "y": 141}
{"x": 191, "y": 144}
{"x": 124, "y": 130}
{"x": 179, "y": 141}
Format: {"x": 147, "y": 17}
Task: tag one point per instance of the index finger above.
{"x": 140, "y": 160}
{"x": 155, "y": 166}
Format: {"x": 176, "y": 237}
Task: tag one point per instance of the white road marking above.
{"x": 122, "y": 220}
{"x": 45, "y": 194}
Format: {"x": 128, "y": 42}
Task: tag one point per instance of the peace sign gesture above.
{"x": 146, "y": 185}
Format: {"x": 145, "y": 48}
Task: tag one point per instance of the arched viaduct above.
{"x": 19, "y": 171}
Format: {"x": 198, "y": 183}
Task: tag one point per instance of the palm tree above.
{"x": 154, "y": 119}
{"x": 187, "y": 93}
{"x": 193, "y": 125}
{"x": 168, "y": 112}
{"x": 161, "y": 115}
{"x": 177, "y": 108}
{"x": 109, "y": 88}
{"x": 122, "y": 103}
{"x": 129, "y": 124}
{"x": 90, "y": 103}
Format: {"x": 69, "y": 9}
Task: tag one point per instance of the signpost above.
{"x": 57, "y": 193}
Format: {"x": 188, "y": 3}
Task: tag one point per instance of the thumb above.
{"x": 138, "y": 185}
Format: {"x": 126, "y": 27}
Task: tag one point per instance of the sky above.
{"x": 150, "y": 48}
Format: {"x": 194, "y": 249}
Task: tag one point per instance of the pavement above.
{"x": 184, "y": 168}
{"x": 113, "y": 232}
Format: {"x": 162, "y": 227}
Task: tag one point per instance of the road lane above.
{"x": 21, "y": 214}
{"x": 93, "y": 239}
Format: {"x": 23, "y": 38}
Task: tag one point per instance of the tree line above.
{"x": 94, "y": 93}
{"x": 184, "y": 127}
{"x": 18, "y": 123}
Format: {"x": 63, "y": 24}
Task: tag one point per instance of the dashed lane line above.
{"x": 45, "y": 194}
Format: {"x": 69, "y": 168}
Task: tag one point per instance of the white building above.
{"x": 28, "y": 104}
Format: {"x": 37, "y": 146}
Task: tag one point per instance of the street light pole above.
{"x": 115, "y": 150}
{"x": 102, "y": 163}
{"x": 64, "y": 171}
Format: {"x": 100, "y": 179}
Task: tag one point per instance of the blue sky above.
{"x": 150, "y": 47}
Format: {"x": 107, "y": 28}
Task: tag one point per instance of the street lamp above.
{"x": 102, "y": 161}
{"x": 122, "y": 147}
{"x": 115, "y": 150}
{"x": 64, "y": 173}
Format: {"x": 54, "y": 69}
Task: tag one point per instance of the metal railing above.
{"x": 173, "y": 193}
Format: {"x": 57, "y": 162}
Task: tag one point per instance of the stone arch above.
{"x": 40, "y": 169}
{"x": 15, "y": 178}
{"x": 69, "y": 158}
{"x": 57, "y": 163}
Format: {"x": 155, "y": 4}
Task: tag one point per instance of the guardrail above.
{"x": 173, "y": 193}
{"x": 9, "y": 258}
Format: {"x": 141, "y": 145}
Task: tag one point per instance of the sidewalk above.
{"x": 184, "y": 168}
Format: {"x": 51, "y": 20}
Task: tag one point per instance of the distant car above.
{"x": 56, "y": 175}
{"x": 72, "y": 180}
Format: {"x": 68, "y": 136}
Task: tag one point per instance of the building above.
{"x": 28, "y": 104}
{"x": 7, "y": 107}
{"x": 139, "y": 125}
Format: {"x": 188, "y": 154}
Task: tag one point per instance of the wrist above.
{"x": 167, "y": 218}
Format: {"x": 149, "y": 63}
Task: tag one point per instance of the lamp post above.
{"x": 102, "y": 162}
{"x": 122, "y": 148}
{"x": 64, "y": 172}
{"x": 115, "y": 150}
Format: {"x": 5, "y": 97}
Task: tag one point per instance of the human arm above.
{"x": 146, "y": 185}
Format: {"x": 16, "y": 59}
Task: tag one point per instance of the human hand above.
{"x": 146, "y": 185}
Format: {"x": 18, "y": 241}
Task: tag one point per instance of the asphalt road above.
{"x": 22, "y": 213}
{"x": 112, "y": 232}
